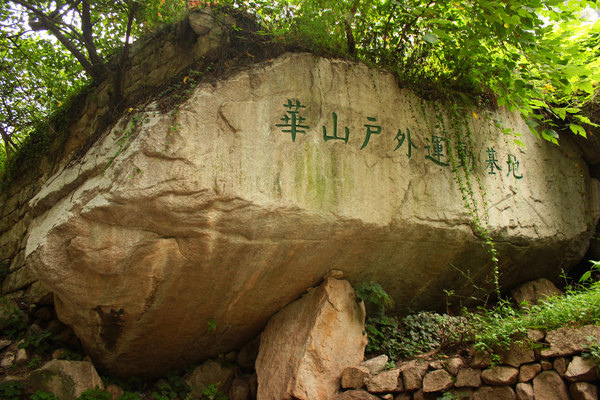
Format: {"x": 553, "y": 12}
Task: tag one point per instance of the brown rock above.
{"x": 535, "y": 335}
{"x": 569, "y": 341}
{"x": 560, "y": 365}
{"x": 437, "y": 381}
{"x": 354, "y": 377}
{"x": 240, "y": 389}
{"x": 468, "y": 377}
{"x": 66, "y": 379}
{"x": 4, "y": 343}
{"x": 583, "y": 391}
{"x": 528, "y": 371}
{"x": 413, "y": 377}
{"x": 518, "y": 354}
{"x": 454, "y": 364}
{"x": 376, "y": 364}
{"x": 306, "y": 346}
{"x": 247, "y": 355}
{"x": 461, "y": 394}
{"x": 387, "y": 396}
{"x": 210, "y": 372}
{"x": 524, "y": 391}
{"x": 402, "y": 396}
{"x": 354, "y": 395}
{"x": 421, "y": 395}
{"x": 533, "y": 292}
{"x": 500, "y": 375}
{"x": 495, "y": 393}
{"x": 436, "y": 364}
{"x": 546, "y": 365}
{"x": 114, "y": 390}
{"x": 582, "y": 369}
{"x": 548, "y": 385}
{"x": 385, "y": 381}
{"x": 482, "y": 359}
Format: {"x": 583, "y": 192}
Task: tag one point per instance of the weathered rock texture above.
{"x": 180, "y": 234}
{"x": 307, "y": 345}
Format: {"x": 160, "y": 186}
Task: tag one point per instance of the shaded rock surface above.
{"x": 307, "y": 345}
{"x": 199, "y": 225}
{"x": 66, "y": 379}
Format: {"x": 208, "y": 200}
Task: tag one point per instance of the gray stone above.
{"x": 66, "y": 379}
{"x": 376, "y": 364}
{"x": 500, "y": 375}
{"x": 385, "y": 381}
{"x": 569, "y": 341}
{"x": 583, "y": 391}
{"x": 548, "y": 385}
{"x": 437, "y": 381}
{"x": 582, "y": 369}
{"x": 468, "y": 377}
{"x": 524, "y": 391}
{"x": 495, "y": 393}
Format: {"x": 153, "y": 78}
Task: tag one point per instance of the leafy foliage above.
{"x": 41, "y": 395}
{"x": 11, "y": 390}
{"x": 12, "y": 319}
{"x": 95, "y": 394}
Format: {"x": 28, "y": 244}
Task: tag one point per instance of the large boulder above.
{"x": 307, "y": 345}
{"x": 179, "y": 234}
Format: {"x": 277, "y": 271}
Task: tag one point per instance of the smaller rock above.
{"x": 535, "y": 335}
{"x": 421, "y": 395}
{"x": 583, "y": 391}
{"x": 385, "y": 381}
{"x": 21, "y": 357}
{"x": 4, "y": 343}
{"x": 413, "y": 377}
{"x": 7, "y": 359}
{"x": 500, "y": 375}
{"x": 114, "y": 390}
{"x": 44, "y": 313}
{"x": 528, "y": 371}
{"x": 482, "y": 359}
{"x": 253, "y": 383}
{"x": 454, "y": 364}
{"x": 461, "y": 394}
{"x": 546, "y": 365}
{"x": 375, "y": 365}
{"x": 210, "y": 373}
{"x": 494, "y": 393}
{"x": 66, "y": 379}
{"x": 582, "y": 369}
{"x": 402, "y": 396}
{"x": 436, "y": 364}
{"x": 388, "y": 396}
{"x": 437, "y": 381}
{"x": 354, "y": 395}
{"x": 524, "y": 391}
{"x": 247, "y": 355}
{"x": 569, "y": 341}
{"x": 533, "y": 292}
{"x": 548, "y": 385}
{"x": 354, "y": 377}
{"x": 468, "y": 377}
{"x": 560, "y": 365}
{"x": 517, "y": 355}
{"x": 60, "y": 354}
{"x": 240, "y": 389}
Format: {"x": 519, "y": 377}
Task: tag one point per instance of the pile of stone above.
{"x": 550, "y": 366}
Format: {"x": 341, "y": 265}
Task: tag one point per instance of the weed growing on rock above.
{"x": 11, "y": 390}
{"x": 41, "y": 395}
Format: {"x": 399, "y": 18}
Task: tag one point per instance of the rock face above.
{"x": 180, "y": 234}
{"x": 307, "y": 345}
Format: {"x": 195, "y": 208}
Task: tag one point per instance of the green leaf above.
{"x": 578, "y": 130}
{"x": 430, "y": 38}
